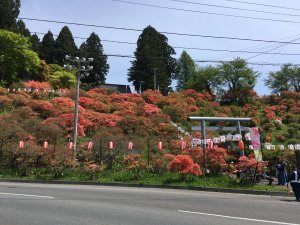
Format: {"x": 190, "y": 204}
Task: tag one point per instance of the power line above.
{"x": 212, "y": 61}
{"x": 266, "y": 5}
{"x": 195, "y": 48}
{"x": 203, "y": 12}
{"x": 236, "y": 8}
{"x": 268, "y": 51}
{"x": 163, "y": 32}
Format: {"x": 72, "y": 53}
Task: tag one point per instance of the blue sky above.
{"x": 111, "y": 13}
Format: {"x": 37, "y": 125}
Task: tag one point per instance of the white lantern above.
{"x": 229, "y": 137}
{"x": 222, "y": 139}
{"x": 297, "y": 147}
{"x": 291, "y": 147}
{"x": 268, "y": 147}
{"x": 273, "y": 147}
{"x": 251, "y": 147}
{"x": 281, "y": 147}
{"x": 237, "y": 137}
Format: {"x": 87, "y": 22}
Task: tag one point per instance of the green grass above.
{"x": 123, "y": 176}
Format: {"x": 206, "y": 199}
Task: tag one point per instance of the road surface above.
{"x": 57, "y": 204}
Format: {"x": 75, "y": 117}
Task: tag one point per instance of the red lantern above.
{"x": 130, "y": 145}
{"x": 183, "y": 145}
{"x": 90, "y": 145}
{"x": 241, "y": 145}
{"x": 21, "y": 144}
{"x": 159, "y": 145}
{"x": 110, "y": 145}
{"x": 210, "y": 144}
{"x": 70, "y": 145}
{"x": 45, "y": 144}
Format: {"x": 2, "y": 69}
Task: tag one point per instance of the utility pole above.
{"x": 154, "y": 79}
{"x": 81, "y": 66}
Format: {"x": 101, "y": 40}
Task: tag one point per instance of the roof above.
{"x": 121, "y": 88}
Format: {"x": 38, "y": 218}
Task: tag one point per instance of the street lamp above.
{"x": 81, "y": 65}
{"x": 141, "y": 82}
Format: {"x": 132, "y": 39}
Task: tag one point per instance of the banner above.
{"x": 255, "y": 140}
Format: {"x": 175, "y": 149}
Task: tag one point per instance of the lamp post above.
{"x": 141, "y": 82}
{"x": 81, "y": 65}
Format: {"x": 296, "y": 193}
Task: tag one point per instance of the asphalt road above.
{"x": 43, "y": 204}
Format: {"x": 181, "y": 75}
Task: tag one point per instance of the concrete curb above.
{"x": 178, "y": 187}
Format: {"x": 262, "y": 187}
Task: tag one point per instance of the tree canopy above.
{"x": 17, "y": 60}
{"x": 152, "y": 52}
{"x": 237, "y": 76}
{"x": 47, "y": 49}
{"x": 64, "y": 45}
{"x": 205, "y": 79}
{"x": 186, "y": 70}
{"x": 9, "y": 11}
{"x": 92, "y": 48}
{"x": 286, "y": 79}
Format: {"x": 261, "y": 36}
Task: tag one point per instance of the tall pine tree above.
{"x": 64, "y": 45}
{"x": 47, "y": 49}
{"x": 186, "y": 70}
{"x": 35, "y": 43}
{"x": 9, "y": 11}
{"x": 152, "y": 52}
{"x": 93, "y": 48}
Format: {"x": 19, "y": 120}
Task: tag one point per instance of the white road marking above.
{"x": 25, "y": 195}
{"x": 237, "y": 218}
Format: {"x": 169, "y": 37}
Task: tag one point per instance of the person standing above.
{"x": 295, "y": 183}
{"x": 281, "y": 173}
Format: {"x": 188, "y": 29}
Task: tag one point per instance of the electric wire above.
{"x": 189, "y": 48}
{"x": 163, "y": 32}
{"x": 235, "y": 8}
{"x": 260, "y": 4}
{"x": 204, "y": 12}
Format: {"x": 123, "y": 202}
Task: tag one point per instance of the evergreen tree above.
{"x": 35, "y": 43}
{"x": 93, "y": 48}
{"x": 9, "y": 11}
{"x": 152, "y": 51}
{"x": 64, "y": 45}
{"x": 47, "y": 48}
{"x": 186, "y": 70}
{"x": 22, "y": 29}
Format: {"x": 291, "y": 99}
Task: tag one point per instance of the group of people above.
{"x": 284, "y": 179}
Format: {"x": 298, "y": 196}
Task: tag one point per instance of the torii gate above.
{"x": 203, "y": 128}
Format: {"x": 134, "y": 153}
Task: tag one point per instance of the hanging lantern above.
{"x": 229, "y": 137}
{"x": 268, "y": 147}
{"x": 90, "y": 145}
{"x": 297, "y": 147}
{"x": 183, "y": 145}
{"x": 70, "y": 145}
{"x": 241, "y": 145}
{"x": 217, "y": 140}
{"x": 45, "y": 145}
{"x": 248, "y": 136}
{"x": 21, "y": 144}
{"x": 130, "y": 145}
{"x": 222, "y": 139}
{"x": 210, "y": 144}
{"x": 251, "y": 147}
{"x": 237, "y": 137}
{"x": 291, "y": 147}
{"x": 111, "y": 145}
{"x": 273, "y": 147}
{"x": 281, "y": 147}
{"x": 159, "y": 145}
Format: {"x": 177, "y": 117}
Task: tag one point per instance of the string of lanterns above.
{"x": 183, "y": 145}
{"x": 35, "y": 90}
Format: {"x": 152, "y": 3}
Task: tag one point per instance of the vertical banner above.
{"x": 255, "y": 140}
